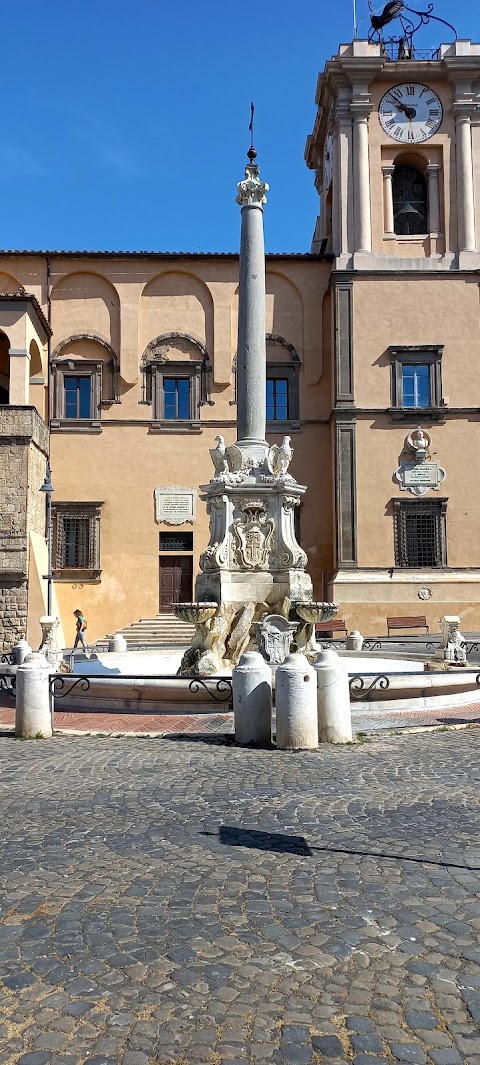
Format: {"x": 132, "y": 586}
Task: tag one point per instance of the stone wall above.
{"x": 13, "y": 612}
{"x": 23, "y": 451}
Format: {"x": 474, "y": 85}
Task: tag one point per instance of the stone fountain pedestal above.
{"x": 253, "y": 565}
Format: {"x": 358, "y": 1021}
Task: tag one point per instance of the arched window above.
{"x": 85, "y": 372}
{"x": 176, "y": 378}
{"x": 410, "y": 204}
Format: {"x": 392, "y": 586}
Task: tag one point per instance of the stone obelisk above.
{"x": 251, "y": 353}
{"x": 252, "y": 565}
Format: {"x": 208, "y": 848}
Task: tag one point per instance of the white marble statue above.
{"x": 279, "y": 458}
{"x": 218, "y": 457}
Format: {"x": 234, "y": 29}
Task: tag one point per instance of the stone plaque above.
{"x": 426, "y": 474}
{"x": 174, "y": 506}
{"x": 419, "y": 477}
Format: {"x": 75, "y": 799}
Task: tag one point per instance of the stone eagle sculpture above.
{"x": 218, "y": 457}
{"x": 279, "y": 458}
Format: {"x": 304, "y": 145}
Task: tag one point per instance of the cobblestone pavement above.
{"x": 370, "y": 720}
{"x": 191, "y": 902}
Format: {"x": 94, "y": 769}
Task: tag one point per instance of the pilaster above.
{"x": 360, "y": 109}
{"x": 342, "y": 228}
{"x": 345, "y": 492}
{"x": 464, "y": 107}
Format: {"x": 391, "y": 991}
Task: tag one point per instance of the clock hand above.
{"x": 409, "y": 111}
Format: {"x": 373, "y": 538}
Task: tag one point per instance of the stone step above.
{"x": 161, "y": 630}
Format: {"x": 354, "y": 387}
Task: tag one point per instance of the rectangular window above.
{"x": 416, "y": 385}
{"x": 76, "y": 540}
{"x": 416, "y": 377}
{"x": 176, "y": 396}
{"x": 277, "y": 399}
{"x": 78, "y": 396}
{"x": 420, "y": 533}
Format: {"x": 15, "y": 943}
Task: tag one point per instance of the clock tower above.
{"x": 395, "y": 148}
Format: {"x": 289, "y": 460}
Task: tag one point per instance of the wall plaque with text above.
{"x": 419, "y": 477}
{"x": 174, "y": 506}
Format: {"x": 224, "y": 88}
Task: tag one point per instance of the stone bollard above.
{"x": 334, "y": 715}
{"x": 354, "y": 641}
{"x": 296, "y": 704}
{"x": 118, "y": 643}
{"x": 33, "y": 717}
{"x": 20, "y": 652}
{"x": 252, "y": 699}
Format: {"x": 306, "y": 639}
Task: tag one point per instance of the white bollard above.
{"x": 354, "y": 641}
{"x": 20, "y": 652}
{"x": 118, "y": 643}
{"x": 252, "y": 699}
{"x": 334, "y": 715}
{"x": 33, "y": 718}
{"x": 296, "y": 704}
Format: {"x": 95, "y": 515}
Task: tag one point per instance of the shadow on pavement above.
{"x": 264, "y": 841}
{"x": 231, "y": 836}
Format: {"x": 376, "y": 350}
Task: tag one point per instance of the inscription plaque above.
{"x": 174, "y": 506}
{"x": 419, "y": 477}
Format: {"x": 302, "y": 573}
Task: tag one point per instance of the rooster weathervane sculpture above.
{"x": 397, "y": 9}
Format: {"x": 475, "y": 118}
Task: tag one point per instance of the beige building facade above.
{"x": 129, "y": 360}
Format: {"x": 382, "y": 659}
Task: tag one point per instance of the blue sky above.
{"x": 124, "y": 126}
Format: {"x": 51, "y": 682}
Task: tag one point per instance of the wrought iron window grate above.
{"x": 76, "y": 543}
{"x": 178, "y": 542}
{"x": 420, "y": 533}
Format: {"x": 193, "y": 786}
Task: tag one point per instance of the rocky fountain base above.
{"x": 225, "y": 631}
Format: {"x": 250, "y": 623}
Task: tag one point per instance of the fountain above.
{"x": 253, "y": 565}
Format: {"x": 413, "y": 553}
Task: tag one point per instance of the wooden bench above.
{"x": 419, "y": 622}
{"x": 329, "y": 627}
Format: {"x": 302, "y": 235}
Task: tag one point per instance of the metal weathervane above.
{"x": 410, "y": 20}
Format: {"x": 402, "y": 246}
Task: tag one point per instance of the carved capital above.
{"x": 252, "y": 191}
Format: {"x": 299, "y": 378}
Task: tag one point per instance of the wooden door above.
{"x": 176, "y": 579}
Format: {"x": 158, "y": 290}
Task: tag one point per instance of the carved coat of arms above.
{"x": 254, "y": 534}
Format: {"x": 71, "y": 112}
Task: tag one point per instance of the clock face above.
{"x": 328, "y": 163}
{"x": 410, "y": 113}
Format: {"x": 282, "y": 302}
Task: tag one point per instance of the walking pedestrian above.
{"x": 81, "y": 627}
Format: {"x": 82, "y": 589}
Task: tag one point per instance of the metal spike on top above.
{"x": 252, "y": 154}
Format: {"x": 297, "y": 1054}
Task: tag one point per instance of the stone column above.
{"x": 252, "y": 700}
{"x": 334, "y": 714}
{"x": 465, "y": 200}
{"x": 388, "y": 217}
{"x": 251, "y": 352}
{"x": 361, "y": 178}
{"x": 433, "y": 178}
{"x": 296, "y": 704}
{"x": 33, "y": 714}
